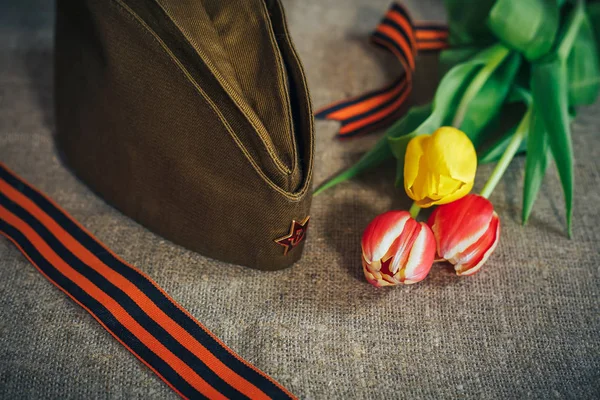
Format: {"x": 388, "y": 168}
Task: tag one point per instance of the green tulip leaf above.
{"x": 519, "y": 94}
{"x": 453, "y": 87}
{"x": 536, "y": 163}
{"x": 593, "y": 12}
{"x": 570, "y": 30}
{"x": 511, "y": 114}
{"x": 456, "y": 87}
{"x": 427, "y": 119}
{"x": 583, "y": 67}
{"x": 419, "y": 120}
{"x": 466, "y": 22}
{"x": 488, "y": 101}
{"x": 494, "y": 152}
{"x": 451, "y": 57}
{"x": 550, "y": 97}
{"x": 550, "y": 90}
{"x": 449, "y": 89}
{"x": 405, "y": 129}
{"x": 528, "y": 26}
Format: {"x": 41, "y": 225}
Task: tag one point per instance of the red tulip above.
{"x": 466, "y": 231}
{"x": 397, "y": 249}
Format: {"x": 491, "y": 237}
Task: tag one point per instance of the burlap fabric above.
{"x": 527, "y": 326}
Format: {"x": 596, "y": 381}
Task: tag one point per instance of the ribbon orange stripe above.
{"x": 378, "y": 115}
{"x": 28, "y": 199}
{"x": 18, "y": 246}
{"x": 402, "y": 36}
{"x": 408, "y": 72}
{"x": 147, "y": 278}
{"x": 114, "y": 307}
{"x": 145, "y": 303}
{"x": 401, "y": 41}
{"x": 432, "y": 34}
{"x": 366, "y": 105}
{"x": 433, "y": 45}
{"x": 405, "y": 25}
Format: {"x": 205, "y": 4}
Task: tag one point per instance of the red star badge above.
{"x": 296, "y": 235}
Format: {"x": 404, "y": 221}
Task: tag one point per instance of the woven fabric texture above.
{"x": 526, "y": 326}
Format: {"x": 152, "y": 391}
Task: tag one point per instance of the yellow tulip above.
{"x": 439, "y": 168}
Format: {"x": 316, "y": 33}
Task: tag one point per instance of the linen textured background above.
{"x": 526, "y": 326}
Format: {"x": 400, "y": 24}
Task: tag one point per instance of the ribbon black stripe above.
{"x": 123, "y": 299}
{"x": 100, "y": 312}
{"x": 375, "y": 110}
{"x": 351, "y": 102}
{"x": 146, "y": 286}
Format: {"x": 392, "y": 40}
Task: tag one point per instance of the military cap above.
{"x": 193, "y": 118}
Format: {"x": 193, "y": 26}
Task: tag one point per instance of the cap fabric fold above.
{"x": 193, "y": 118}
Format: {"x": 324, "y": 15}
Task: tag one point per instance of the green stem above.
{"x": 477, "y": 83}
{"x": 414, "y": 210}
{"x": 577, "y": 17}
{"x": 513, "y": 146}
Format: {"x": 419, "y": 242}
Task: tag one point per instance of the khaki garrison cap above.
{"x": 193, "y": 118}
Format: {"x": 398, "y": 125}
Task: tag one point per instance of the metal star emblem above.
{"x": 296, "y": 235}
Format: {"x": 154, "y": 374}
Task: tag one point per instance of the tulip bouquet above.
{"x": 514, "y": 73}
{"x": 464, "y": 229}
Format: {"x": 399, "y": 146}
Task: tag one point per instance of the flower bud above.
{"x": 466, "y": 232}
{"x": 439, "y": 168}
{"x": 397, "y": 249}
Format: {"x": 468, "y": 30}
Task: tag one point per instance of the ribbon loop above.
{"x": 373, "y": 110}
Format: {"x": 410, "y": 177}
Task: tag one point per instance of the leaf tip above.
{"x": 570, "y": 216}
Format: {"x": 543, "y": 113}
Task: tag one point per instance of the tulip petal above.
{"x": 423, "y": 181}
{"x": 475, "y": 256}
{"x": 375, "y": 281}
{"x": 451, "y": 153}
{"x": 439, "y": 152}
{"x": 447, "y": 186}
{"x": 381, "y": 233}
{"x": 461, "y": 192}
{"x": 374, "y": 278}
{"x": 426, "y": 202}
{"x": 459, "y": 224}
{"x": 421, "y": 256}
{"x": 397, "y": 249}
{"x": 403, "y": 245}
{"x": 439, "y": 168}
{"x": 412, "y": 163}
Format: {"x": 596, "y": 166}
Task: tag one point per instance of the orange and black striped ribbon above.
{"x": 398, "y": 34}
{"x": 125, "y": 301}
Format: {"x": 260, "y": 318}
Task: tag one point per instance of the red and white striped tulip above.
{"x": 466, "y": 232}
{"x": 397, "y": 249}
